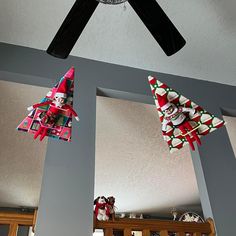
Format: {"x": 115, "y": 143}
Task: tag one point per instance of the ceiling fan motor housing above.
{"x": 112, "y": 2}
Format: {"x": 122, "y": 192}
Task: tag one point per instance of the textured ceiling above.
{"x": 231, "y": 128}
{"x": 118, "y": 36}
{"x": 132, "y": 160}
{"x": 21, "y": 159}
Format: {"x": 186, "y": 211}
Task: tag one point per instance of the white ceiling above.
{"x": 118, "y": 36}
{"x": 21, "y": 158}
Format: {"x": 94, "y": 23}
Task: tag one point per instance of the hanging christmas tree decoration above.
{"x": 52, "y": 117}
{"x": 183, "y": 121}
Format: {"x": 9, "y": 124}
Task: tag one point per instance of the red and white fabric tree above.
{"x": 53, "y": 115}
{"x": 183, "y": 121}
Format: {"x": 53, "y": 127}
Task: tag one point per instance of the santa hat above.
{"x": 62, "y": 89}
{"x": 163, "y": 101}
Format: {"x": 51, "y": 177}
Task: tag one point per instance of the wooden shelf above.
{"x": 162, "y": 226}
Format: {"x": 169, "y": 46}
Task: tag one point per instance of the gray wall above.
{"x": 66, "y": 203}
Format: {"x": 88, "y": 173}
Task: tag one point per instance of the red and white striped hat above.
{"x": 163, "y": 101}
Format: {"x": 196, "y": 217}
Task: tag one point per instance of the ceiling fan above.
{"x": 149, "y": 11}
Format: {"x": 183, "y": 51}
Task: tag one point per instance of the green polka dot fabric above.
{"x": 202, "y": 121}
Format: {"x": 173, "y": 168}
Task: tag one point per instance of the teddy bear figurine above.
{"x": 100, "y": 210}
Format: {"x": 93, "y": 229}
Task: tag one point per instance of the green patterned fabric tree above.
{"x": 202, "y": 122}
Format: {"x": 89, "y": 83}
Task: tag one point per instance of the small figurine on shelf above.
{"x": 174, "y": 213}
{"x": 56, "y": 106}
{"x": 100, "y": 210}
{"x": 110, "y": 207}
{"x": 132, "y": 215}
{"x": 176, "y": 115}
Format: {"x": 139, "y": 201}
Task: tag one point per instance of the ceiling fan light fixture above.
{"x": 112, "y": 2}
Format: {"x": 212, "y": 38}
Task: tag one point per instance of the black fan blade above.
{"x": 159, "y": 25}
{"x": 71, "y": 28}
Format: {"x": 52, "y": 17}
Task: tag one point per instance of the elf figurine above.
{"x": 181, "y": 124}
{"x": 57, "y": 105}
{"x": 175, "y": 114}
